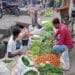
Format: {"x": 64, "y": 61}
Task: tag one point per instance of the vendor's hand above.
{"x": 51, "y": 45}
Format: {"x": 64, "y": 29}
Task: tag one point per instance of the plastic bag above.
{"x": 3, "y": 69}
{"x": 65, "y": 60}
{"x": 21, "y": 66}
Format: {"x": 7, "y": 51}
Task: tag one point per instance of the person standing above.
{"x": 64, "y": 10}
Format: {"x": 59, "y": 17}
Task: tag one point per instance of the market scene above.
{"x": 37, "y": 37}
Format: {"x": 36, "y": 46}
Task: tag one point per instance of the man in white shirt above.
{"x": 12, "y": 44}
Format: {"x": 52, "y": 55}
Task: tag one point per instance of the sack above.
{"x": 3, "y": 69}
{"x": 65, "y": 61}
{"x": 21, "y": 66}
{"x": 30, "y": 69}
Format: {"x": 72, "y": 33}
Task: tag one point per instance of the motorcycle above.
{"x": 9, "y": 8}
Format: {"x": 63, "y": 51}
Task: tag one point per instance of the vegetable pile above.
{"x": 48, "y": 26}
{"x": 47, "y": 69}
{"x": 52, "y": 59}
{"x": 31, "y": 73}
{"x": 48, "y": 13}
{"x": 46, "y": 61}
{"x": 25, "y": 61}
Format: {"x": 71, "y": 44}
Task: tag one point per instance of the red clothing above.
{"x": 65, "y": 37}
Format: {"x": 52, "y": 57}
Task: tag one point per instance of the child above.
{"x": 11, "y": 47}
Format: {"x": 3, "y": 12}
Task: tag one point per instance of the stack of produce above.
{"x": 47, "y": 69}
{"x": 48, "y": 26}
{"x": 48, "y": 13}
{"x": 52, "y": 59}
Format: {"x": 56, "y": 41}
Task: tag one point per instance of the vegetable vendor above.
{"x": 12, "y": 50}
{"x": 63, "y": 36}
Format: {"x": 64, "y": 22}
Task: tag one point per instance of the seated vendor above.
{"x": 12, "y": 44}
{"x": 36, "y": 27}
{"x": 63, "y": 37}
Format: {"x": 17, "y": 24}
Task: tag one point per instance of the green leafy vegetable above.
{"x": 31, "y": 73}
{"x": 48, "y": 26}
{"x": 25, "y": 61}
{"x": 47, "y": 69}
{"x": 7, "y": 61}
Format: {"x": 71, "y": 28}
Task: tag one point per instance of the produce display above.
{"x": 52, "y": 59}
{"x": 40, "y": 59}
{"x": 46, "y": 61}
{"x": 47, "y": 69}
{"x": 25, "y": 61}
{"x": 48, "y": 26}
{"x": 48, "y": 13}
{"x": 31, "y": 73}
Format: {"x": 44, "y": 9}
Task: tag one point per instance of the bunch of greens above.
{"x": 41, "y": 48}
{"x": 47, "y": 69}
{"x": 31, "y": 73}
{"x": 48, "y": 26}
{"x": 48, "y": 13}
{"x": 25, "y": 61}
{"x": 36, "y": 48}
{"x": 47, "y": 35}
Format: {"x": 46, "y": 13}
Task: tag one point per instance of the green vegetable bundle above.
{"x": 48, "y": 13}
{"x": 47, "y": 69}
{"x": 48, "y": 26}
{"x": 31, "y": 73}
